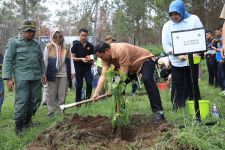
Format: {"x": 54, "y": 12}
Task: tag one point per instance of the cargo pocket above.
{"x": 21, "y": 54}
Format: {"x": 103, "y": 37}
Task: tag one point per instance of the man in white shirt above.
{"x": 180, "y": 19}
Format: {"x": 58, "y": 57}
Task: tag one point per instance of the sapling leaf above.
{"x": 117, "y": 80}
{"x": 117, "y": 88}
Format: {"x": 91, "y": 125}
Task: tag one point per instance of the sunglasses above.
{"x": 57, "y": 37}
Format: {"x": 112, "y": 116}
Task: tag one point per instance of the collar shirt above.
{"x": 124, "y": 54}
{"x": 191, "y": 22}
{"x": 81, "y": 51}
{"x": 23, "y": 60}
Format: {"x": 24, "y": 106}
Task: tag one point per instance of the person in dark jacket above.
{"x": 210, "y": 56}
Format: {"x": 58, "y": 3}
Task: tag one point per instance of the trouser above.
{"x": 147, "y": 71}
{"x": 212, "y": 70}
{"x": 27, "y": 98}
{"x": 1, "y": 93}
{"x": 182, "y": 85}
{"x": 45, "y": 95}
{"x": 95, "y": 80}
{"x": 80, "y": 74}
{"x": 57, "y": 93}
{"x": 221, "y": 75}
{"x": 134, "y": 86}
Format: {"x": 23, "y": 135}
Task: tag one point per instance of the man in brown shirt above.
{"x": 131, "y": 60}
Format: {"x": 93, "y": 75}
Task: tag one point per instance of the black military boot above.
{"x": 19, "y": 128}
{"x": 28, "y": 122}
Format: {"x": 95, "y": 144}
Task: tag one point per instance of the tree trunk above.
{"x": 198, "y": 8}
{"x": 24, "y": 9}
{"x": 138, "y": 32}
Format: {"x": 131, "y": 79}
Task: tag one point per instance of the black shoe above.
{"x": 19, "y": 128}
{"x": 158, "y": 118}
{"x": 28, "y": 124}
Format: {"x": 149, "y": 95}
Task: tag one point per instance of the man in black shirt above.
{"x": 82, "y": 51}
{"x": 211, "y": 59}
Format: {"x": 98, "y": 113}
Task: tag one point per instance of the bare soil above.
{"x": 97, "y": 133}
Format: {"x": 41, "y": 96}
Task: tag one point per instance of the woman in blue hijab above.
{"x": 180, "y": 19}
{"x": 178, "y": 8}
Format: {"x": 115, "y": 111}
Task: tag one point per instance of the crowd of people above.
{"x": 215, "y": 61}
{"x": 30, "y": 68}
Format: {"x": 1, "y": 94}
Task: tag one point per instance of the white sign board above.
{"x": 188, "y": 41}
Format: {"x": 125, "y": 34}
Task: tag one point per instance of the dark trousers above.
{"x": 147, "y": 71}
{"x": 221, "y": 75}
{"x": 134, "y": 87}
{"x": 82, "y": 73}
{"x": 212, "y": 70}
{"x": 181, "y": 85}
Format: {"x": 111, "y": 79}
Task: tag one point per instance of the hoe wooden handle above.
{"x": 65, "y": 106}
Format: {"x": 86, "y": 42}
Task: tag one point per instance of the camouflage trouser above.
{"x": 28, "y": 98}
{"x": 1, "y": 93}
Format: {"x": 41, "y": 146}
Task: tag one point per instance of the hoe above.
{"x": 65, "y": 106}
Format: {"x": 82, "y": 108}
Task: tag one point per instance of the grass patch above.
{"x": 192, "y": 136}
{"x": 154, "y": 49}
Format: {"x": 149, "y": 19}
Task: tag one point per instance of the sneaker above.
{"x": 132, "y": 94}
{"x": 158, "y": 117}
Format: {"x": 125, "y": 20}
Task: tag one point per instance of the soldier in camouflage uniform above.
{"x": 24, "y": 63}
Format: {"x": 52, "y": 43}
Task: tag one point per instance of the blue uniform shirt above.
{"x": 218, "y": 54}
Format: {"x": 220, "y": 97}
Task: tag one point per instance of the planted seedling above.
{"x": 117, "y": 87}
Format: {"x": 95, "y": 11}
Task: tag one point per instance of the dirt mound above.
{"x": 90, "y": 132}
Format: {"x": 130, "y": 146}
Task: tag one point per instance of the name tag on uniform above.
{"x": 188, "y": 41}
